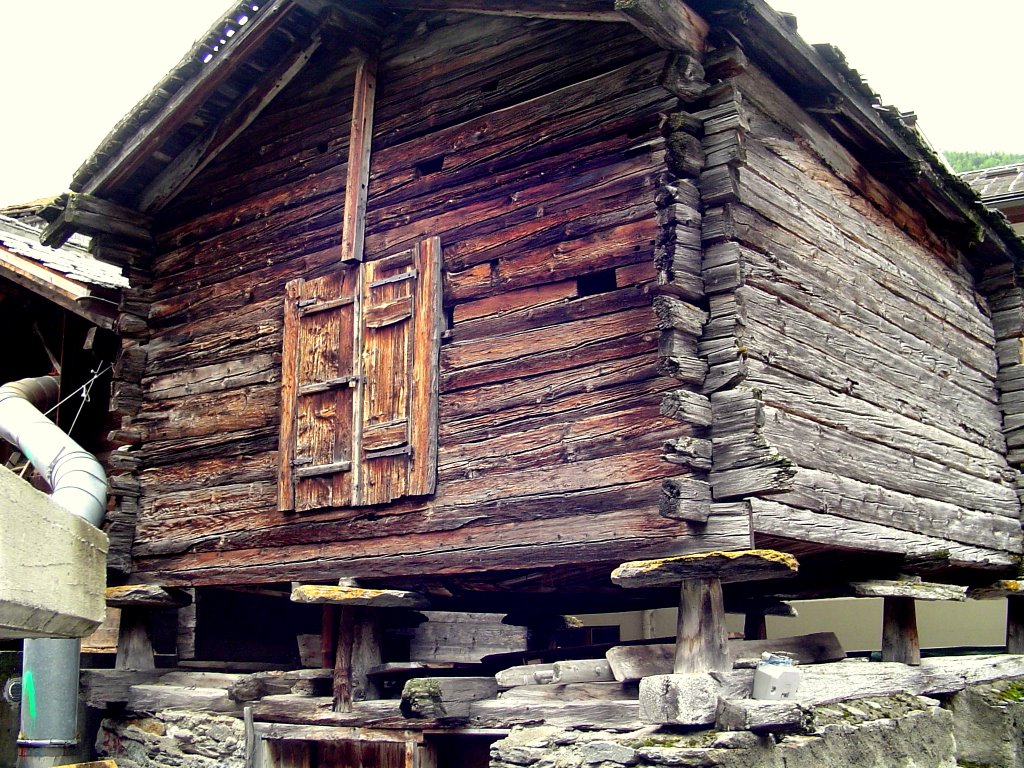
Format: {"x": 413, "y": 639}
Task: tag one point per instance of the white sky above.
{"x": 73, "y": 68}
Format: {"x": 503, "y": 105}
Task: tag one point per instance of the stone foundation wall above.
{"x": 173, "y": 739}
{"x": 981, "y": 726}
{"x": 904, "y": 731}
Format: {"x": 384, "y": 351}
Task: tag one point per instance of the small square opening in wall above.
{"x": 596, "y": 282}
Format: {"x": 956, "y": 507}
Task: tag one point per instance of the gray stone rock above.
{"x": 679, "y": 699}
{"x": 690, "y": 757}
{"x": 988, "y": 724}
{"x": 173, "y": 739}
{"x": 736, "y": 740}
{"x": 607, "y": 752}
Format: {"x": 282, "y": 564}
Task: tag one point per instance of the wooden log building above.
{"x": 481, "y": 299}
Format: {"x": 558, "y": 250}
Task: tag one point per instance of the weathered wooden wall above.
{"x": 534, "y": 150}
{"x": 853, "y": 361}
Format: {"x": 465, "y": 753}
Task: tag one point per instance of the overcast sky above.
{"x": 73, "y": 68}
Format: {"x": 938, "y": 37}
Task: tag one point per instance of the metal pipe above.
{"x": 50, "y": 667}
{"x": 77, "y": 481}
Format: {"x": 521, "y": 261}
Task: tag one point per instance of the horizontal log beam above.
{"x": 562, "y": 10}
{"x": 669, "y": 23}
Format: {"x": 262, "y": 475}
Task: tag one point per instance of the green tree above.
{"x": 975, "y": 161}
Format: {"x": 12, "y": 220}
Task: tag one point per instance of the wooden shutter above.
{"x": 401, "y": 336}
{"x": 319, "y": 392}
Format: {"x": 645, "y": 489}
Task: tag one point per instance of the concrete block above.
{"x": 52, "y": 566}
{"x": 679, "y": 699}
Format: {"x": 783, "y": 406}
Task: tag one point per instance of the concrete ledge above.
{"x": 52, "y": 566}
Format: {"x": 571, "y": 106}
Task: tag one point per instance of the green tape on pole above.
{"x": 29, "y": 684}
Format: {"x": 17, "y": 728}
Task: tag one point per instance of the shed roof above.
{"x": 1004, "y": 183}
{"x": 68, "y": 276}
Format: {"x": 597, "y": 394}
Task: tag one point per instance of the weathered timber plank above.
{"x": 573, "y": 692}
{"x": 249, "y": 523}
{"x": 263, "y": 368}
{"x": 544, "y": 543}
{"x": 808, "y": 444}
{"x": 358, "y": 165}
{"x": 564, "y": 10}
{"x": 828, "y": 353}
{"x": 152, "y": 698}
{"x": 826, "y": 492}
{"x": 670, "y": 24}
{"x": 868, "y": 421}
{"x": 632, "y": 663}
{"x": 177, "y": 175}
{"x": 586, "y": 437}
{"x": 778, "y": 520}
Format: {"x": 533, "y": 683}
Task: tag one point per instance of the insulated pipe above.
{"x": 77, "y": 480}
{"x": 50, "y": 667}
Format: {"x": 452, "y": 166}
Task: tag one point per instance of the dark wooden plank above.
{"x": 670, "y": 23}
{"x": 562, "y": 10}
{"x": 360, "y": 138}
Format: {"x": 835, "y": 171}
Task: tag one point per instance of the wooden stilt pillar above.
{"x": 358, "y": 646}
{"x": 1015, "y": 624}
{"x": 1013, "y": 591}
{"x": 899, "y": 612}
{"x": 900, "y": 641}
{"x": 134, "y": 646}
{"x": 358, "y": 651}
{"x": 702, "y": 643}
{"x": 755, "y": 626}
{"x": 701, "y": 638}
{"x": 137, "y": 601}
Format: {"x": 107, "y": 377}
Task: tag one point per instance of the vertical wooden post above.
{"x": 358, "y": 650}
{"x": 899, "y": 631}
{"x": 1015, "y": 624}
{"x": 360, "y": 139}
{"x": 134, "y": 646}
{"x": 701, "y": 638}
{"x": 755, "y": 626}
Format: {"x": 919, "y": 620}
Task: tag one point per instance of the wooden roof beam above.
{"x": 562, "y": 10}
{"x": 670, "y": 23}
{"x": 92, "y": 216}
{"x": 181, "y": 107}
{"x": 186, "y": 166}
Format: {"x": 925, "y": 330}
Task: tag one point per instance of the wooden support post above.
{"x": 755, "y": 626}
{"x": 702, "y": 643}
{"x": 899, "y": 631}
{"x": 1015, "y": 624}
{"x": 1013, "y": 591}
{"x": 134, "y": 646}
{"x": 360, "y": 140}
{"x": 358, "y": 651}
